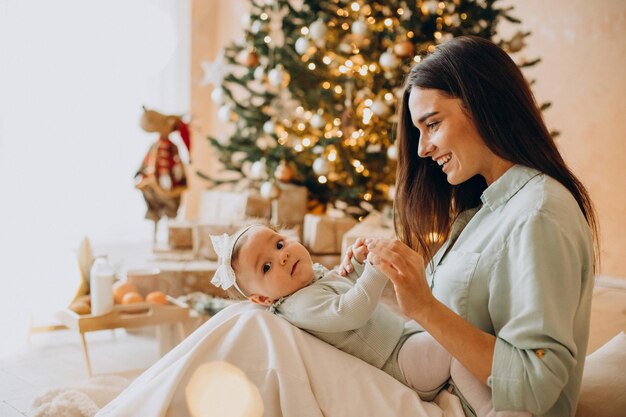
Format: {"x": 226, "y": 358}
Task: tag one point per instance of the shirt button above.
{"x": 540, "y": 353}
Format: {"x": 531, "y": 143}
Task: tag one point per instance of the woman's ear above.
{"x": 260, "y": 299}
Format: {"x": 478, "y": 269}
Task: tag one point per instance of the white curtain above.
{"x": 73, "y": 77}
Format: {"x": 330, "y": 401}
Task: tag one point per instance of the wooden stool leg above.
{"x": 86, "y": 352}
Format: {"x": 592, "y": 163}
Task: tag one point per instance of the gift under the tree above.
{"x": 375, "y": 225}
{"x": 230, "y": 207}
{"x": 323, "y": 234}
{"x": 180, "y": 234}
{"x": 290, "y": 207}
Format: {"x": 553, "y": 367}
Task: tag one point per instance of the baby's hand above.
{"x": 359, "y": 251}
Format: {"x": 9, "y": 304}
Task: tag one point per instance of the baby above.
{"x": 268, "y": 269}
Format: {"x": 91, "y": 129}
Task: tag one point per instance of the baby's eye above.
{"x": 266, "y": 267}
{"x": 280, "y": 244}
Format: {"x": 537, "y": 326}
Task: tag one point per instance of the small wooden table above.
{"x": 128, "y": 317}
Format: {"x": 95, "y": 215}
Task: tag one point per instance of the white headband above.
{"x": 224, "y": 245}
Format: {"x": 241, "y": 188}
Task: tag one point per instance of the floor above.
{"x": 55, "y": 359}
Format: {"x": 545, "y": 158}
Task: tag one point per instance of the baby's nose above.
{"x": 284, "y": 256}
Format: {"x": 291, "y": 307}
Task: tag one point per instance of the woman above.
{"x": 508, "y": 293}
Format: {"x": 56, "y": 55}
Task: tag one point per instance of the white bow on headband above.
{"x": 224, "y": 276}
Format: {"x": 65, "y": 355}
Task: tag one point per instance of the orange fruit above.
{"x": 121, "y": 288}
{"x": 132, "y": 297}
{"x": 157, "y": 297}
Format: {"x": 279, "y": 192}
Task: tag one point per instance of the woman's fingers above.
{"x": 389, "y": 252}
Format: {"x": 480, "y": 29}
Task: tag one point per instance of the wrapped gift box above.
{"x": 226, "y": 207}
{"x": 324, "y": 234}
{"x": 374, "y": 225}
{"x": 291, "y": 206}
{"x": 179, "y": 234}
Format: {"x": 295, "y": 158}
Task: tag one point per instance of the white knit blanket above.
{"x": 82, "y": 400}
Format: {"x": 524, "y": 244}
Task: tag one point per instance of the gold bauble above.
{"x": 404, "y": 49}
{"x": 284, "y": 172}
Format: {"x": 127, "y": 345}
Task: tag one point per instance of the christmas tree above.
{"x": 313, "y": 88}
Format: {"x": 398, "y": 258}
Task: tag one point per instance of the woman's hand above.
{"x": 406, "y": 269}
{"x": 359, "y": 251}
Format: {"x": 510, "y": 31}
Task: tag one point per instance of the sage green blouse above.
{"x": 520, "y": 267}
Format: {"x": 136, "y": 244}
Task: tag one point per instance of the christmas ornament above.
{"x": 284, "y": 172}
{"x": 303, "y": 46}
{"x": 403, "y": 49}
{"x": 214, "y": 71}
{"x": 392, "y": 152}
{"x": 258, "y": 170}
{"x": 321, "y": 166}
{"x": 317, "y": 30}
{"x": 317, "y": 121}
{"x": 379, "y": 108}
{"x": 259, "y": 73}
{"x": 278, "y": 77}
{"x": 269, "y": 127}
{"x": 345, "y": 48}
{"x": 360, "y": 28}
{"x": 217, "y": 95}
{"x": 388, "y": 60}
{"x": 269, "y": 190}
{"x": 250, "y": 59}
{"x": 276, "y": 26}
{"x": 225, "y": 113}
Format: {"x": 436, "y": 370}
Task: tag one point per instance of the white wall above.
{"x": 73, "y": 77}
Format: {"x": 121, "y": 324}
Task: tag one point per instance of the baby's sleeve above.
{"x": 336, "y": 306}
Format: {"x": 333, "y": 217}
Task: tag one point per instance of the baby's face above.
{"x": 270, "y": 266}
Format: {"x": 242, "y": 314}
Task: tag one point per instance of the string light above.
{"x": 304, "y": 30}
{"x": 367, "y": 196}
{"x": 371, "y": 20}
{"x": 368, "y": 102}
{"x": 326, "y": 60}
{"x": 298, "y": 148}
{"x": 338, "y": 89}
{"x": 343, "y": 70}
{"x": 437, "y": 35}
{"x": 388, "y": 22}
{"x": 264, "y": 16}
{"x": 325, "y": 85}
{"x": 355, "y": 6}
{"x": 306, "y": 142}
{"x": 345, "y": 26}
{"x": 360, "y": 169}
{"x": 388, "y": 96}
{"x": 332, "y": 156}
{"x": 267, "y": 39}
{"x": 410, "y": 34}
{"x": 400, "y": 11}
{"x": 367, "y": 116}
{"x": 322, "y": 179}
{"x": 311, "y": 66}
{"x": 301, "y": 126}
{"x": 349, "y": 63}
{"x": 463, "y": 16}
{"x": 363, "y": 70}
{"x": 417, "y": 58}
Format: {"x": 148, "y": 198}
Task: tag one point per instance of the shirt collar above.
{"x": 505, "y": 187}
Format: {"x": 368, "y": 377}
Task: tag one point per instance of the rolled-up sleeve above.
{"x": 535, "y": 291}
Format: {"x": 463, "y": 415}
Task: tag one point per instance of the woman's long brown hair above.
{"x": 499, "y": 101}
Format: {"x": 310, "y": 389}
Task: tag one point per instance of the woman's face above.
{"x": 449, "y": 137}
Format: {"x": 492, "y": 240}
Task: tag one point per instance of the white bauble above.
{"x": 256, "y": 26}
{"x": 392, "y": 152}
{"x": 259, "y": 73}
{"x": 379, "y": 108}
{"x": 388, "y": 60}
{"x": 321, "y": 166}
{"x": 269, "y": 127}
{"x": 269, "y": 190}
{"x": 258, "y": 170}
{"x": 278, "y": 77}
{"x": 225, "y": 113}
{"x": 360, "y": 28}
{"x": 345, "y": 48}
{"x": 302, "y": 46}
{"x": 217, "y": 95}
{"x": 317, "y": 30}
{"x": 317, "y": 121}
